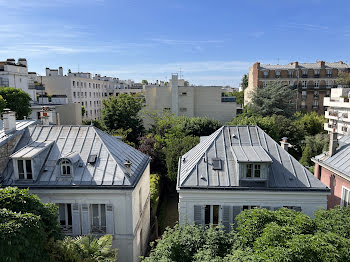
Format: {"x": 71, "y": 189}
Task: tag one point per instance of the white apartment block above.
{"x": 15, "y": 75}
{"x": 87, "y": 90}
{"x": 193, "y": 101}
{"x": 338, "y": 111}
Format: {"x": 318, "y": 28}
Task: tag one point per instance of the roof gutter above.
{"x": 346, "y": 177}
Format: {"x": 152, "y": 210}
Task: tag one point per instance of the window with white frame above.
{"x": 211, "y": 215}
{"x": 278, "y": 74}
{"x": 66, "y": 168}
{"x": 317, "y": 72}
{"x": 290, "y": 73}
{"x": 317, "y": 84}
{"x": 65, "y": 217}
{"x": 304, "y": 83}
{"x": 24, "y": 168}
{"x": 264, "y": 83}
{"x": 253, "y": 171}
{"x": 266, "y": 74}
{"x": 345, "y": 197}
{"x": 329, "y": 83}
{"x": 98, "y": 218}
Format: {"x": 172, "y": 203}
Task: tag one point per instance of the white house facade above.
{"x": 238, "y": 168}
{"x": 100, "y": 185}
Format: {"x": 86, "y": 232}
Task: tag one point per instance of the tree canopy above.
{"x": 122, "y": 113}
{"x": 26, "y": 225}
{"x": 261, "y": 235}
{"x": 15, "y": 99}
{"x": 273, "y": 99}
{"x": 344, "y": 79}
{"x": 244, "y": 82}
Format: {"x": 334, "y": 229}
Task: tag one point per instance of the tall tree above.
{"x": 344, "y": 79}
{"x": 122, "y": 113}
{"x": 17, "y": 100}
{"x": 273, "y": 99}
{"x": 244, "y": 82}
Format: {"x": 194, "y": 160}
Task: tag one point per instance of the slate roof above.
{"x": 340, "y": 161}
{"x": 247, "y": 144}
{"x": 304, "y": 66}
{"x": 109, "y": 170}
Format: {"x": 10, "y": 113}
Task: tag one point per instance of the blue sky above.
{"x": 213, "y": 42}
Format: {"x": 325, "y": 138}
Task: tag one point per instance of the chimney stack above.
{"x": 128, "y": 167}
{"x": 45, "y": 120}
{"x": 60, "y": 71}
{"x": 22, "y": 61}
{"x": 284, "y": 143}
{"x": 9, "y": 121}
{"x": 333, "y": 142}
{"x": 321, "y": 63}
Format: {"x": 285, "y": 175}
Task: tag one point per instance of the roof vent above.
{"x": 127, "y": 165}
{"x": 204, "y": 159}
{"x": 184, "y": 160}
{"x": 92, "y": 159}
{"x": 217, "y": 165}
{"x": 203, "y": 178}
{"x": 233, "y": 136}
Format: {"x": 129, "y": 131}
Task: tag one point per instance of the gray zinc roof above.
{"x": 304, "y": 66}
{"x": 65, "y": 141}
{"x": 232, "y": 144}
{"x": 340, "y": 161}
{"x": 21, "y": 125}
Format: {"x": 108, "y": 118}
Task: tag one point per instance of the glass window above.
{"x": 249, "y": 170}
{"x": 345, "y": 197}
{"x": 215, "y": 215}
{"x": 29, "y": 169}
{"x": 207, "y": 215}
{"x": 98, "y": 218}
{"x": 66, "y": 168}
{"x": 256, "y": 170}
{"x": 20, "y": 169}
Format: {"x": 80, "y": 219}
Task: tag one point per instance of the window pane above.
{"x": 95, "y": 218}
{"x": 20, "y": 169}
{"x": 207, "y": 215}
{"x": 215, "y": 215}
{"x": 249, "y": 170}
{"x": 68, "y": 170}
{"x": 64, "y": 170}
{"x": 62, "y": 214}
{"x": 103, "y": 215}
{"x": 257, "y": 171}
{"x": 69, "y": 211}
{"x": 29, "y": 169}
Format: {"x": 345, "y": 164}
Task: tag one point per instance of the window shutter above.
{"x": 76, "y": 220}
{"x": 236, "y": 210}
{"x": 85, "y": 219}
{"x": 198, "y": 215}
{"x": 226, "y": 218}
{"x": 109, "y": 220}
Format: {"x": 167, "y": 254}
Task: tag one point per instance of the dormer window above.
{"x": 253, "y": 171}
{"x": 24, "y": 168}
{"x": 65, "y": 168}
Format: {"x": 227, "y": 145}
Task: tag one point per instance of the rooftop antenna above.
{"x": 180, "y": 72}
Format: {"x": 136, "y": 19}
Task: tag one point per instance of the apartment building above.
{"x": 312, "y": 81}
{"x": 194, "y": 101}
{"x": 85, "y": 89}
{"x": 338, "y": 111}
{"x": 15, "y": 75}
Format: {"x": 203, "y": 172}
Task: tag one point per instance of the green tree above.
{"x": 83, "y": 249}
{"x": 2, "y": 104}
{"x": 244, "y": 82}
{"x": 83, "y": 110}
{"x": 273, "y": 99}
{"x": 313, "y": 146}
{"x": 122, "y": 112}
{"x": 144, "y": 82}
{"x": 344, "y": 79}
{"x": 17, "y": 100}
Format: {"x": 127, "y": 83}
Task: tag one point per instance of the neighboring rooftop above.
{"x": 249, "y": 144}
{"x": 338, "y": 65}
{"x": 20, "y": 127}
{"x": 100, "y": 158}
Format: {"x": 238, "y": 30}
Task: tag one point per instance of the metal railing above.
{"x": 228, "y": 99}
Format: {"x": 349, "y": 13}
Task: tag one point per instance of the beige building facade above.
{"x": 192, "y": 101}
{"x": 312, "y": 81}
{"x": 87, "y": 90}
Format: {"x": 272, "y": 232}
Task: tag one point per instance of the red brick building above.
{"x": 333, "y": 169}
{"x": 312, "y": 81}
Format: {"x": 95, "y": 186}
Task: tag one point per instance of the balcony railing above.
{"x": 303, "y": 76}
{"x": 345, "y": 115}
{"x": 317, "y": 76}
{"x": 315, "y": 106}
{"x": 333, "y": 113}
{"x": 303, "y": 106}
{"x": 303, "y": 97}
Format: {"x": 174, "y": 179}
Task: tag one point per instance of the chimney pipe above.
{"x": 60, "y": 71}
{"x": 333, "y": 142}
{"x": 128, "y": 167}
{"x": 284, "y": 143}
{"x": 9, "y": 121}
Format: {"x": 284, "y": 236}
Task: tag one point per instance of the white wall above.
{"x": 308, "y": 201}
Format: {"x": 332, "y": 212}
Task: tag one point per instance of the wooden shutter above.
{"x": 198, "y": 215}
{"x": 235, "y": 211}
{"x": 76, "y": 220}
{"x": 227, "y": 217}
{"x": 85, "y": 219}
{"x": 109, "y": 220}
